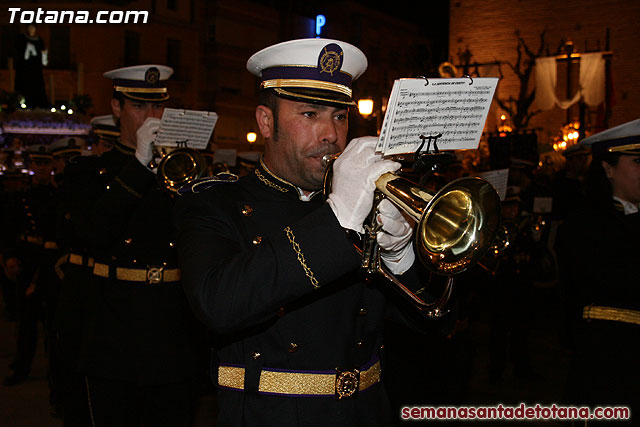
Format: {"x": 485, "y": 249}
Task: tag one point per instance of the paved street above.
{"x": 26, "y": 404}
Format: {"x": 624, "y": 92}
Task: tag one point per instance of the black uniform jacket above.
{"x": 140, "y": 332}
{"x": 277, "y": 280}
{"x": 38, "y": 227}
{"x": 599, "y": 253}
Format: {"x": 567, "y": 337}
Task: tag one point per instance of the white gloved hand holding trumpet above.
{"x": 146, "y": 135}
{"x": 353, "y": 184}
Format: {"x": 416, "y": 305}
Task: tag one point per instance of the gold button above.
{"x": 256, "y": 355}
{"x": 128, "y": 241}
{"x": 134, "y": 261}
{"x": 171, "y": 244}
{"x": 247, "y": 210}
{"x": 363, "y": 312}
{"x": 293, "y": 347}
{"x": 103, "y": 171}
{"x": 108, "y": 187}
{"x": 359, "y": 343}
{"x": 257, "y": 240}
{"x": 164, "y": 264}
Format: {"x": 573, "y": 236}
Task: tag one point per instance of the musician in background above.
{"x": 105, "y": 133}
{"x": 598, "y": 254}
{"x": 569, "y": 184}
{"x": 269, "y": 267}
{"x": 143, "y": 351}
{"x": 35, "y": 220}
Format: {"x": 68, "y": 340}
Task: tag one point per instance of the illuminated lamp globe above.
{"x": 365, "y": 107}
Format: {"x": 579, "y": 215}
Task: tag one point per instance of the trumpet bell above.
{"x": 179, "y": 167}
{"x": 457, "y": 226}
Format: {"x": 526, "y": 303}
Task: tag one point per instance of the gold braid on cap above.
{"x": 304, "y": 83}
{"x": 627, "y": 147}
{"x": 140, "y": 89}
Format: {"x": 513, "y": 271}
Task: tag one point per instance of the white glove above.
{"x": 146, "y": 135}
{"x": 354, "y": 180}
{"x": 395, "y": 238}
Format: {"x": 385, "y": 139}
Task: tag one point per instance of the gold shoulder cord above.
{"x": 122, "y": 150}
{"x": 301, "y": 260}
{"x": 129, "y": 189}
{"x": 269, "y": 183}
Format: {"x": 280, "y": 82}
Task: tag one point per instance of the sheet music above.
{"x": 542, "y": 204}
{"x": 498, "y": 178}
{"x": 186, "y": 127}
{"x": 385, "y": 123}
{"x": 225, "y": 155}
{"x": 456, "y": 108}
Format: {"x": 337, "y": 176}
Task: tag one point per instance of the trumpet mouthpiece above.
{"x": 327, "y": 158}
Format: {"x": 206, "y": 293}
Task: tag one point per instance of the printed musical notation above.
{"x": 190, "y": 128}
{"x": 455, "y": 108}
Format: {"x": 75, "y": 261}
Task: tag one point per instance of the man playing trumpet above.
{"x": 142, "y": 350}
{"x": 268, "y": 267}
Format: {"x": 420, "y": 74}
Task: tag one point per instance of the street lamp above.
{"x": 365, "y": 107}
{"x": 251, "y": 137}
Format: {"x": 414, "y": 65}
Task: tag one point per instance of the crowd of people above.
{"x": 252, "y": 278}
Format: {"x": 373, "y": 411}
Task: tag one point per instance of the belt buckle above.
{"x": 347, "y": 383}
{"x": 155, "y": 275}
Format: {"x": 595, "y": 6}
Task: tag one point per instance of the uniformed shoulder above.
{"x": 206, "y": 183}
{"x": 85, "y": 161}
{"x": 79, "y": 158}
{"x": 83, "y": 164}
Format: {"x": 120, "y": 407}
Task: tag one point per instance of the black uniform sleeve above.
{"x": 101, "y": 206}
{"x": 232, "y": 286}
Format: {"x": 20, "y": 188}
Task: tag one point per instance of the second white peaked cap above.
{"x": 141, "y": 82}
{"x": 624, "y": 139}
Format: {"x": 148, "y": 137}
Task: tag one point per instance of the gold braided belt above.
{"x": 341, "y": 383}
{"x": 80, "y": 260}
{"x": 611, "y": 313}
{"x": 150, "y": 275}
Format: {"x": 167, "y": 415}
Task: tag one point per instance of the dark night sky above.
{"x": 431, "y": 15}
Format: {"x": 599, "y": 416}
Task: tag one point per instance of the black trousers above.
{"x": 30, "y": 314}
{"x": 122, "y": 403}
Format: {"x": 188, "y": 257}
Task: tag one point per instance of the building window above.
{"x": 8, "y": 36}
{"x": 173, "y": 57}
{"x": 211, "y": 33}
{"x": 131, "y": 48}
{"x": 59, "y": 52}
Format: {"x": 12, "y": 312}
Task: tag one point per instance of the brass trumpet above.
{"x": 502, "y": 241}
{"x": 178, "y": 166}
{"x": 454, "y": 228}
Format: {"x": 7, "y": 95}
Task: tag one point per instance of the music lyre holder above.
{"x": 429, "y": 161}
